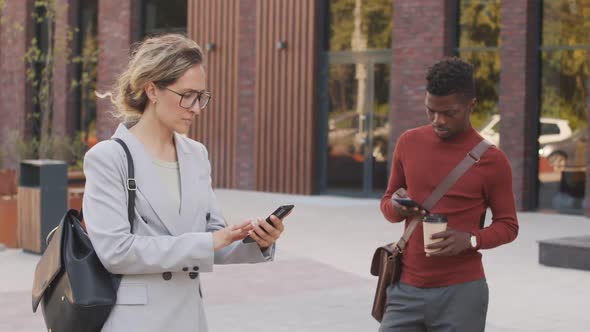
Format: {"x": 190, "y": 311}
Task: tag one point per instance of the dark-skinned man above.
{"x": 446, "y": 290}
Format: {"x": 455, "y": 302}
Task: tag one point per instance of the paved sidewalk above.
{"x": 320, "y": 279}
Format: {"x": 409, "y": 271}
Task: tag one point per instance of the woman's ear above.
{"x": 151, "y": 92}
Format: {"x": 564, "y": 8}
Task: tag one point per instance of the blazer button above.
{"x": 167, "y": 275}
{"x": 185, "y": 269}
{"x": 193, "y": 275}
{"x": 195, "y": 268}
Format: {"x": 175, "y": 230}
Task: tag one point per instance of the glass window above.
{"x": 358, "y": 44}
{"x": 346, "y": 130}
{"x": 479, "y": 23}
{"x": 87, "y": 63}
{"x": 487, "y": 79}
{"x": 565, "y": 70}
{"x": 479, "y": 38}
{"x": 35, "y": 60}
{"x": 566, "y": 22}
{"x": 381, "y": 128}
{"x": 549, "y": 129}
{"x": 360, "y": 24}
{"x": 164, "y": 16}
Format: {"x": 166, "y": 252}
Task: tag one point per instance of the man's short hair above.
{"x": 450, "y": 76}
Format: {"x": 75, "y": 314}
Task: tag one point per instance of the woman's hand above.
{"x": 266, "y": 234}
{"x": 224, "y": 237}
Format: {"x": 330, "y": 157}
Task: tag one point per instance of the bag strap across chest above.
{"x": 470, "y": 159}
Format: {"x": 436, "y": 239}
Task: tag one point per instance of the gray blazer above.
{"x": 160, "y": 261}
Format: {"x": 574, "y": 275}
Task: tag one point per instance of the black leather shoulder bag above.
{"x": 75, "y": 290}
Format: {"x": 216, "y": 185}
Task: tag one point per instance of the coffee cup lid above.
{"x": 435, "y": 218}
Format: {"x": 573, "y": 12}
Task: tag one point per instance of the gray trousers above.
{"x": 457, "y": 308}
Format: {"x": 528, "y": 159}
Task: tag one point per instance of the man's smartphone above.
{"x": 281, "y": 212}
{"x": 409, "y": 203}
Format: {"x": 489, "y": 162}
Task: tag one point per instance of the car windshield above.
{"x": 549, "y": 129}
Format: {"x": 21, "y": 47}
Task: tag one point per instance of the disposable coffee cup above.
{"x": 432, "y": 224}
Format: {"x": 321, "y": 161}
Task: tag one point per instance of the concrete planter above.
{"x": 567, "y": 252}
{"x": 75, "y": 196}
{"x": 7, "y": 182}
{"x": 9, "y": 215}
{"x": 8, "y": 221}
{"x": 76, "y": 179}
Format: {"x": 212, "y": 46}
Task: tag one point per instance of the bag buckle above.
{"x": 50, "y": 235}
{"x": 399, "y": 249}
{"x": 473, "y": 156}
{"x": 131, "y": 185}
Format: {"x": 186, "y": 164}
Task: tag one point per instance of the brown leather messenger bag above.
{"x": 387, "y": 260}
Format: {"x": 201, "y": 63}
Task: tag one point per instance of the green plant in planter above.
{"x": 69, "y": 149}
{"x": 88, "y": 61}
{"x": 18, "y": 148}
{"x": 40, "y": 63}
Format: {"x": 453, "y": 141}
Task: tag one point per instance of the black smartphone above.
{"x": 281, "y": 212}
{"x": 409, "y": 203}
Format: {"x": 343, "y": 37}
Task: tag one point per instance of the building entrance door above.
{"x": 357, "y": 106}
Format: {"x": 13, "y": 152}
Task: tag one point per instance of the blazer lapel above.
{"x": 150, "y": 185}
{"x": 192, "y": 170}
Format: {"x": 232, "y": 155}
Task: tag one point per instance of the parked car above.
{"x": 345, "y": 133}
{"x": 570, "y": 152}
{"x": 552, "y": 130}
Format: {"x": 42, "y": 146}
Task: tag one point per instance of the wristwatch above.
{"x": 473, "y": 241}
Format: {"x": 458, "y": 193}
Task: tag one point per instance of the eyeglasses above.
{"x": 190, "y": 98}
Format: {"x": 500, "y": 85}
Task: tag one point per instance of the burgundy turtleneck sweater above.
{"x": 421, "y": 161}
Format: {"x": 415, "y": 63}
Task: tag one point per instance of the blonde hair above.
{"x": 160, "y": 59}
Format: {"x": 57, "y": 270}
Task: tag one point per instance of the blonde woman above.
{"x": 178, "y": 231}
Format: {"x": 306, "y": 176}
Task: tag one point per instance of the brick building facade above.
{"x": 423, "y": 32}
